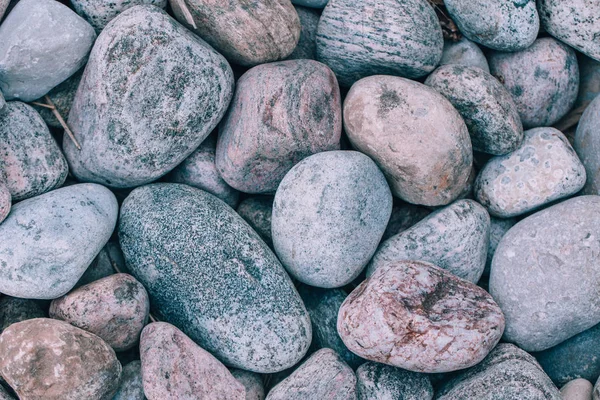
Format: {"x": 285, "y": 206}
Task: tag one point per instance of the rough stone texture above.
{"x": 543, "y": 80}
{"x": 323, "y": 376}
{"x": 414, "y": 134}
{"x": 416, "y": 316}
{"x": 62, "y": 96}
{"x": 379, "y": 37}
{"x": 587, "y": 145}
{"x": 52, "y": 360}
{"x": 174, "y": 367}
{"x": 42, "y": 43}
{"x": 209, "y": 273}
{"x": 5, "y": 197}
{"x": 32, "y": 161}
{"x": 329, "y": 214}
{"x": 199, "y": 170}
{"x": 504, "y": 25}
{"x": 403, "y": 216}
{"x": 151, "y": 92}
{"x": 3, "y": 6}
{"x": 115, "y": 308}
{"x": 13, "y": 310}
{"x": 104, "y": 264}
{"x": 464, "y": 52}
{"x": 281, "y": 113}
{"x": 596, "y": 392}
{"x": 100, "y": 12}
{"x": 247, "y": 32}
{"x": 48, "y": 241}
{"x": 485, "y": 105}
{"x": 454, "y": 238}
{"x": 131, "y": 386}
{"x": 578, "y": 389}
{"x": 4, "y": 395}
{"x": 384, "y": 382}
{"x": 252, "y": 382}
{"x": 307, "y": 45}
{"x": 311, "y": 3}
{"x": 545, "y": 274}
{"x": 2, "y": 101}
{"x": 498, "y": 228}
{"x": 506, "y": 373}
{"x": 257, "y": 212}
{"x": 543, "y": 169}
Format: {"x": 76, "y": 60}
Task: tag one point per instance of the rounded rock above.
{"x": 5, "y": 198}
{"x": 587, "y": 145}
{"x": 307, "y": 45}
{"x": 578, "y": 389}
{"x": 3, "y": 7}
{"x": 13, "y": 310}
{"x": 131, "y": 385}
{"x": 252, "y": 383}
{"x": 257, "y": 212}
{"x": 384, "y": 382}
{"x": 464, "y": 52}
{"x": 99, "y": 12}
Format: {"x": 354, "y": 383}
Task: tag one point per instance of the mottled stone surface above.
{"x": 247, "y": 32}
{"x": 587, "y": 146}
{"x": 454, "y": 238}
{"x": 4, "y": 395}
{"x": 131, "y": 386}
{"x": 257, "y": 212}
{"x": 62, "y": 96}
{"x": 542, "y": 79}
{"x": 281, "y": 113}
{"x": 3, "y": 6}
{"x": 5, "y": 198}
{"x": 545, "y": 274}
{"x": 484, "y": 103}
{"x": 252, "y": 382}
{"x": 596, "y": 392}
{"x": 307, "y": 45}
{"x": 323, "y": 376}
{"x": 464, "y": 52}
{"x": 403, "y": 216}
{"x": 373, "y": 37}
{"x": 506, "y": 373}
{"x": 109, "y": 258}
{"x": 151, "y": 92}
{"x": 543, "y": 169}
{"x": 578, "y": 389}
{"x": 2, "y": 102}
{"x": 174, "y": 367}
{"x": 42, "y": 43}
{"x": 384, "y": 382}
{"x": 29, "y": 156}
{"x": 589, "y": 88}
{"x": 504, "y": 25}
{"x": 13, "y": 310}
{"x": 100, "y": 12}
{"x": 311, "y": 3}
{"x": 52, "y": 360}
{"x": 498, "y": 228}
{"x": 115, "y": 308}
{"x": 416, "y": 316}
{"x": 209, "y": 273}
{"x": 49, "y": 240}
{"x": 329, "y": 214}
{"x": 414, "y": 134}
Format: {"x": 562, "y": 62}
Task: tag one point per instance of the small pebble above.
{"x": 252, "y": 382}
{"x": 464, "y": 52}
{"x": 257, "y": 212}
{"x": 404, "y": 216}
{"x": 307, "y": 46}
{"x": 131, "y": 385}
{"x": 384, "y": 382}
{"x": 578, "y": 389}
{"x": 99, "y": 12}
{"x": 587, "y": 145}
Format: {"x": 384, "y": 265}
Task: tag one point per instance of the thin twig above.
{"x": 186, "y": 12}
{"x": 62, "y": 121}
{"x": 35, "y": 103}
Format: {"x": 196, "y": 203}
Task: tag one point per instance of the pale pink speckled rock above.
{"x": 416, "y": 316}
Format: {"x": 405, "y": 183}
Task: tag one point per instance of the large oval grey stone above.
{"x": 100, "y": 12}
{"x": 464, "y": 52}
{"x": 587, "y": 145}
{"x": 384, "y": 382}
{"x": 210, "y": 274}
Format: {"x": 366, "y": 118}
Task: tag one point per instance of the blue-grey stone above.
{"x": 587, "y": 145}
{"x": 311, "y": 3}
{"x": 100, "y": 12}
{"x": 307, "y": 46}
{"x": 377, "y": 381}
{"x": 257, "y": 212}
{"x": 13, "y": 310}
{"x": 62, "y": 97}
{"x": 498, "y": 228}
{"x": 464, "y": 52}
{"x": 130, "y": 386}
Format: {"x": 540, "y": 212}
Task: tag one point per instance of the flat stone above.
{"x": 454, "y": 238}
{"x": 386, "y": 117}
{"x": 457, "y": 323}
{"x": 5, "y": 198}
{"x": 252, "y": 382}
{"x": 13, "y": 310}
{"x": 42, "y": 43}
{"x": 544, "y": 274}
{"x": 587, "y": 145}
{"x": 498, "y": 228}
{"x": 311, "y": 3}
{"x": 542, "y": 79}
{"x": 307, "y": 45}
{"x": 151, "y": 93}
{"x": 323, "y": 376}
{"x": 281, "y": 113}
{"x": 174, "y": 367}
{"x": 404, "y": 216}
{"x": 383, "y": 382}
{"x": 543, "y": 169}
{"x": 131, "y": 385}
{"x": 257, "y": 212}
{"x": 504, "y": 25}
{"x": 379, "y": 37}
{"x": 247, "y": 32}
{"x": 99, "y": 13}
{"x": 464, "y": 52}
{"x": 32, "y": 161}
{"x": 209, "y": 273}
{"x": 109, "y": 258}
{"x": 62, "y": 97}
{"x": 52, "y": 360}
{"x": 578, "y": 389}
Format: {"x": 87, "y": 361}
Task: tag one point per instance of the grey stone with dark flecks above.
{"x": 464, "y": 52}
{"x": 62, "y": 97}
{"x": 2, "y": 102}
{"x": 379, "y": 37}
{"x": 4, "y": 395}
{"x": 329, "y": 214}
{"x": 307, "y": 46}
{"x": 252, "y": 382}
{"x": 311, "y": 3}
{"x": 404, "y": 216}
{"x": 587, "y": 145}
{"x": 257, "y": 212}
{"x": 131, "y": 386}
{"x": 543, "y": 169}
{"x": 100, "y": 12}
{"x": 484, "y": 103}
{"x": 498, "y": 228}
{"x": 13, "y": 310}
{"x": 537, "y": 274}
{"x": 455, "y": 238}
{"x": 577, "y": 389}
{"x": 42, "y": 43}
{"x": 197, "y": 257}
{"x": 5, "y": 197}
{"x": 542, "y": 79}
{"x": 29, "y": 156}
{"x": 384, "y": 382}
{"x": 596, "y": 391}
{"x": 151, "y": 93}
{"x": 3, "y": 7}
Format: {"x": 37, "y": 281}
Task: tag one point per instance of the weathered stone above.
{"x": 257, "y": 212}
{"x": 307, "y": 45}
{"x": 323, "y": 376}
{"x": 311, "y": 3}
{"x": 247, "y": 32}
{"x": 404, "y": 216}
{"x": 31, "y": 159}
{"x": 151, "y": 93}
{"x": 545, "y": 274}
{"x": 105, "y": 264}
{"x": 5, "y": 197}
{"x": 99, "y": 12}
{"x": 208, "y": 272}
{"x": 42, "y": 43}
{"x": 587, "y": 145}
{"x": 454, "y": 238}
{"x": 384, "y": 382}
{"x": 48, "y": 359}
{"x": 174, "y": 367}
{"x": 414, "y": 134}
{"x": 131, "y": 386}
{"x": 542, "y": 79}
{"x": 252, "y": 383}
{"x": 4, "y": 395}
{"x": 498, "y": 228}
{"x": 49, "y": 240}
{"x": 3, "y": 7}
{"x": 543, "y": 169}
{"x": 464, "y": 52}
{"x": 578, "y": 389}
{"x": 596, "y": 392}
{"x": 281, "y": 113}
{"x": 379, "y": 37}
{"x": 2, "y": 101}
{"x": 62, "y": 97}
{"x": 13, "y": 310}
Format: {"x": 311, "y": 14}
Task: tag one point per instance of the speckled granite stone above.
{"x": 62, "y": 96}
{"x": 307, "y": 45}
{"x": 464, "y": 52}
{"x": 498, "y": 228}
{"x": 100, "y": 12}
{"x": 404, "y": 216}
{"x": 577, "y": 389}
{"x": 151, "y": 93}
{"x": 209, "y": 273}
{"x": 384, "y": 382}
{"x": 257, "y": 212}
{"x": 587, "y": 145}
{"x": 131, "y": 386}
{"x": 252, "y": 382}
{"x": 373, "y": 37}
{"x": 13, "y": 309}
{"x": 545, "y": 274}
